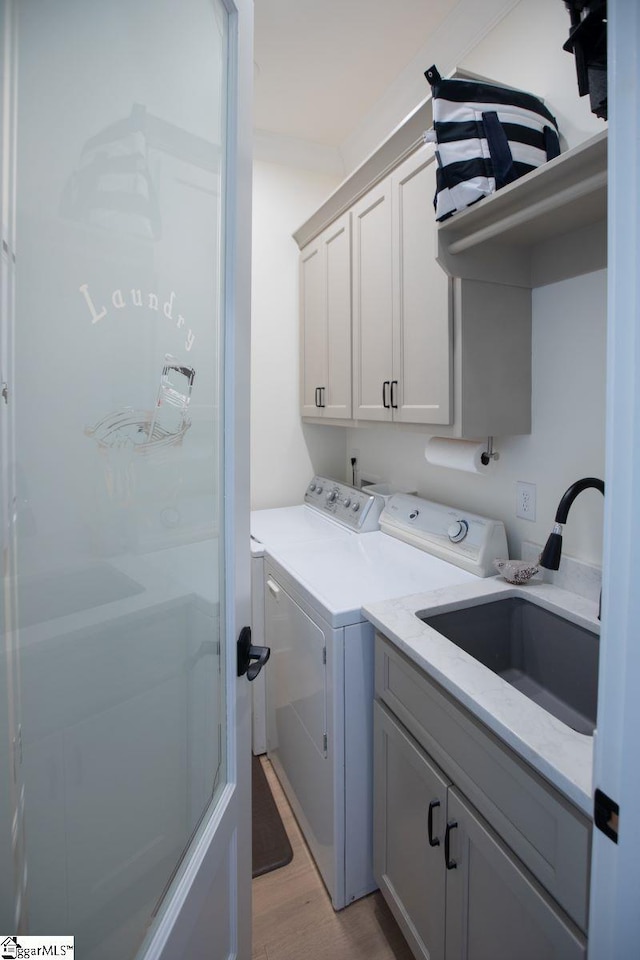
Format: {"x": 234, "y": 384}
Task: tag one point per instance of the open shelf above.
{"x": 548, "y": 225}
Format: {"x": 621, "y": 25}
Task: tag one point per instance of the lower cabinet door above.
{"x": 410, "y": 798}
{"x": 495, "y": 909}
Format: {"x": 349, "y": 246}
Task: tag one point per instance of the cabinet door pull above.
{"x": 322, "y": 390}
{"x": 317, "y": 395}
{"x": 385, "y": 401}
{"x": 451, "y": 864}
{"x": 432, "y": 807}
{"x": 394, "y": 401}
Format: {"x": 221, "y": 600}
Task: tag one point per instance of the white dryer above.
{"x": 330, "y": 511}
{"x": 320, "y": 677}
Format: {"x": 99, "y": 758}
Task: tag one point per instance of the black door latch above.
{"x": 606, "y": 815}
{"x": 247, "y": 653}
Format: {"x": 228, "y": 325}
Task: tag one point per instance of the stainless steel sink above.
{"x": 552, "y": 661}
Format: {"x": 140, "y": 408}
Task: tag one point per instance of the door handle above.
{"x": 247, "y": 652}
{"x": 432, "y": 807}
{"x": 322, "y": 390}
{"x": 394, "y": 403}
{"x": 273, "y": 588}
{"x": 385, "y": 387}
{"x": 451, "y": 864}
{"x": 317, "y": 396}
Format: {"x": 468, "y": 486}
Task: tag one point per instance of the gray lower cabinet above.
{"x": 410, "y": 805}
{"x": 455, "y": 887}
{"x": 495, "y": 909}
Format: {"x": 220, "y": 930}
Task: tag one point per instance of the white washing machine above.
{"x": 330, "y": 511}
{"x": 320, "y": 677}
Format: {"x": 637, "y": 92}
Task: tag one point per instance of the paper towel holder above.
{"x": 489, "y": 454}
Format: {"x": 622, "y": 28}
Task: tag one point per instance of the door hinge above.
{"x": 324, "y": 655}
{"x": 325, "y": 743}
{"x": 5, "y": 391}
{"x": 606, "y": 815}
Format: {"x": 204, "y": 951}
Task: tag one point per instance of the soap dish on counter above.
{"x": 516, "y": 571}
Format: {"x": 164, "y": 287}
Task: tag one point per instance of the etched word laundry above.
{"x": 149, "y": 301}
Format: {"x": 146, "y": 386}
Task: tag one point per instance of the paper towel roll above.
{"x": 455, "y": 454}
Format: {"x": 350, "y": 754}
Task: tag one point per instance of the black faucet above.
{"x": 550, "y": 556}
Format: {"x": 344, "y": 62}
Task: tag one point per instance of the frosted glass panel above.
{"x": 121, "y": 117}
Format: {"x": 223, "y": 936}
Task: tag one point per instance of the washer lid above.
{"x": 297, "y": 524}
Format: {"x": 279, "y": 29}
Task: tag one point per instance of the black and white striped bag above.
{"x": 486, "y": 136}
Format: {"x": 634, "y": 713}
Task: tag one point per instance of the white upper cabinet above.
{"x": 312, "y": 356}
{"x": 373, "y": 304}
{"x": 402, "y": 328}
{"x": 422, "y": 327}
{"x": 431, "y": 346}
{"x": 337, "y": 252}
{"x": 325, "y": 312}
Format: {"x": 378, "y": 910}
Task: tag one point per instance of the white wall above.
{"x": 284, "y": 452}
{"x": 524, "y": 49}
{"x": 467, "y": 23}
{"x": 566, "y": 441}
{"x": 520, "y": 44}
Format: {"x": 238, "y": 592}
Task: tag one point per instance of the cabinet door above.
{"x": 337, "y": 256}
{"x": 409, "y": 869}
{"x": 422, "y": 345}
{"x": 372, "y": 304}
{"x": 313, "y": 328}
{"x": 495, "y": 909}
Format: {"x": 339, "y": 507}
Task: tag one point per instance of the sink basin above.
{"x": 552, "y": 661}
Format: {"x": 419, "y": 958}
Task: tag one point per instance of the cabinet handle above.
{"x": 432, "y": 807}
{"x": 394, "y": 404}
{"x": 322, "y": 390}
{"x": 451, "y": 864}
{"x": 385, "y": 402}
{"x": 317, "y": 395}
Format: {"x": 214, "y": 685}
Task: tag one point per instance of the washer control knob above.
{"x": 331, "y": 496}
{"x": 414, "y": 515}
{"x": 347, "y": 501}
{"x": 355, "y": 507}
{"x": 312, "y": 487}
{"x": 458, "y": 531}
{"x": 319, "y": 489}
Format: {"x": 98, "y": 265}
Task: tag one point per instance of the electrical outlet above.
{"x": 525, "y": 500}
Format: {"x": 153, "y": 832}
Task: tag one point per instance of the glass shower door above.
{"x": 117, "y": 412}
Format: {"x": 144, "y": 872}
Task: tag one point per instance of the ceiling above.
{"x": 321, "y": 65}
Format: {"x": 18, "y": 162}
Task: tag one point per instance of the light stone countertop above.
{"x": 560, "y": 754}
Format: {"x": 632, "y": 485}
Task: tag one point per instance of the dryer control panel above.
{"x": 353, "y": 508}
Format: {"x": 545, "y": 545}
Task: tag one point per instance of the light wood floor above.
{"x": 292, "y": 914}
